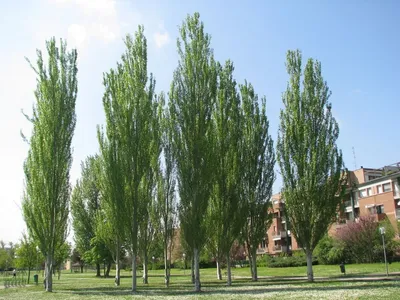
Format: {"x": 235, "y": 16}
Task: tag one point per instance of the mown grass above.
{"x": 285, "y": 283}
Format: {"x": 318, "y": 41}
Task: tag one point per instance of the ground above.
{"x": 367, "y": 281}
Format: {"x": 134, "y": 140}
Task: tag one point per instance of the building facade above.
{"x": 370, "y": 192}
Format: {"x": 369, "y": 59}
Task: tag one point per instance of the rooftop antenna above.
{"x": 354, "y": 158}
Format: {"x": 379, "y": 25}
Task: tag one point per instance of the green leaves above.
{"x": 311, "y": 164}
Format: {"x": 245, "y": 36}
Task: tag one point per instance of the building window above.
{"x": 362, "y": 193}
{"x": 372, "y": 177}
{"x": 380, "y": 209}
{"x": 369, "y": 191}
{"x": 379, "y": 189}
{"x": 387, "y": 187}
{"x": 263, "y": 244}
{"x": 372, "y": 210}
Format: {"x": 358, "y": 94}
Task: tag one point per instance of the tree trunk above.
{"x": 219, "y": 276}
{"x": 98, "y": 270}
{"x": 117, "y": 270}
{"x": 49, "y": 273}
{"x": 145, "y": 269}
{"x": 197, "y": 284}
{"x": 81, "y": 268}
{"x": 310, "y": 273}
{"x": 254, "y": 265}
{"x": 134, "y": 272}
{"x": 108, "y": 270}
{"x": 29, "y": 274}
{"x": 166, "y": 273}
{"x": 192, "y": 270}
{"x": 228, "y": 270}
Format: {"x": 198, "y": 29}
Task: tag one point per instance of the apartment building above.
{"x": 370, "y": 192}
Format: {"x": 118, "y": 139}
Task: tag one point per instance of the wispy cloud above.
{"x": 161, "y": 37}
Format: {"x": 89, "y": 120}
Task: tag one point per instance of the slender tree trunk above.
{"x": 98, "y": 270}
{"x": 117, "y": 266}
{"x": 219, "y": 276}
{"x": 134, "y": 267}
{"x": 197, "y": 283}
{"x": 192, "y": 270}
{"x": 29, "y": 274}
{"x": 108, "y": 270}
{"x": 49, "y": 273}
{"x": 310, "y": 273}
{"x": 254, "y": 265}
{"x": 81, "y": 268}
{"x": 166, "y": 273}
{"x": 145, "y": 268}
{"x": 228, "y": 270}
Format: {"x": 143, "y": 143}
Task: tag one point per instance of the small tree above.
{"x": 27, "y": 254}
{"x": 310, "y": 162}
{"x": 61, "y": 254}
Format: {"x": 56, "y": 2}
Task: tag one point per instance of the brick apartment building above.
{"x": 370, "y": 191}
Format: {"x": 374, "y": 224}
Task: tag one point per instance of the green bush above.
{"x": 330, "y": 251}
{"x": 288, "y": 261}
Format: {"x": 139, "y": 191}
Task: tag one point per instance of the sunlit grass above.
{"x": 273, "y": 284}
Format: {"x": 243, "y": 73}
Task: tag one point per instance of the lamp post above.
{"x": 153, "y": 258}
{"x": 382, "y": 231}
{"x": 184, "y": 263}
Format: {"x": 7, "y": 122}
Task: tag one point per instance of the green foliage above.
{"x": 85, "y": 203}
{"x": 330, "y": 251}
{"x": 310, "y": 162}
{"x": 257, "y": 170}
{"x": 47, "y": 191}
{"x": 27, "y": 254}
{"x": 288, "y": 261}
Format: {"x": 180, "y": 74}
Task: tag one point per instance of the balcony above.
{"x": 398, "y": 213}
{"x": 278, "y": 235}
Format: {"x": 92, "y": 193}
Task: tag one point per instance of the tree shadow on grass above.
{"x": 244, "y": 287}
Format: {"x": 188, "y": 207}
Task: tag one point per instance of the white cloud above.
{"x": 99, "y": 8}
{"x": 76, "y": 35}
{"x": 161, "y": 37}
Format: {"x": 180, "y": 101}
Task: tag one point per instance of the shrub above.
{"x": 330, "y": 251}
{"x": 288, "y": 261}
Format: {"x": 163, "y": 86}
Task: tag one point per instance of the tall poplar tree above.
{"x": 47, "y": 191}
{"x": 258, "y": 160}
{"x": 166, "y": 185}
{"x": 310, "y": 162}
{"x": 225, "y": 212}
{"x": 130, "y": 100}
{"x": 192, "y": 97}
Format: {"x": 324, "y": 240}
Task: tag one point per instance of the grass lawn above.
{"x": 273, "y": 284}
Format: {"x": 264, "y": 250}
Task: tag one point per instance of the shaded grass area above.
{"x": 87, "y": 286}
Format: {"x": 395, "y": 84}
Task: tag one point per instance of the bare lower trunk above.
{"x": 310, "y": 273}
{"x": 29, "y": 274}
{"x": 219, "y": 276}
{"x": 49, "y": 273}
{"x": 134, "y": 267}
{"x": 228, "y": 270}
{"x": 81, "y": 268}
{"x": 166, "y": 273}
{"x": 108, "y": 270}
{"x": 254, "y": 276}
{"x": 197, "y": 284}
{"x": 117, "y": 268}
{"x": 192, "y": 270}
{"x": 145, "y": 269}
{"x": 98, "y": 270}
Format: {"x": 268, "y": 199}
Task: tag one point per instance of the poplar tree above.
{"x": 311, "y": 163}
{"x": 129, "y": 102}
{"x": 192, "y": 97}
{"x": 47, "y": 187}
{"x": 225, "y": 212}
{"x": 85, "y": 204}
{"x": 257, "y": 171}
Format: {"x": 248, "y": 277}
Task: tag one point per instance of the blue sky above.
{"x": 356, "y": 41}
